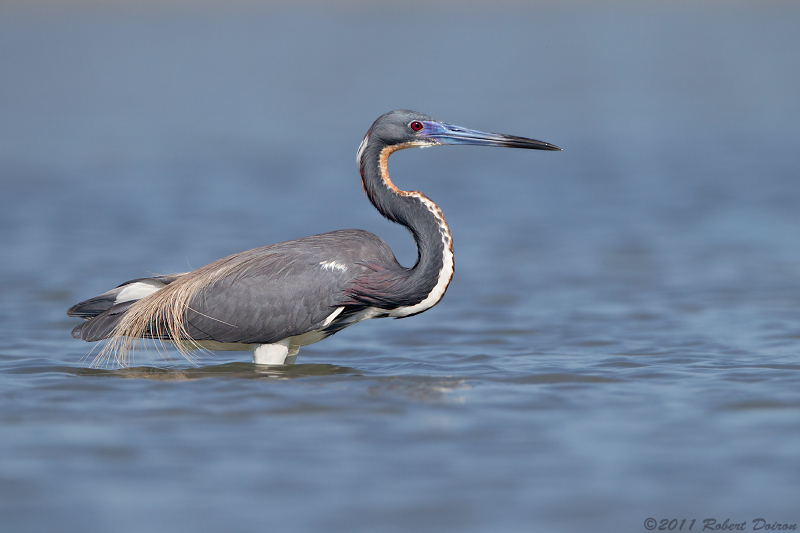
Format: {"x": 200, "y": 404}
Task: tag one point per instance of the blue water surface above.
{"x": 621, "y": 340}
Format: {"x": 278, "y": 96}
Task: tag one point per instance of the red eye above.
{"x": 416, "y": 125}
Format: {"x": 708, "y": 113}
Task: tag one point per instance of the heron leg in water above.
{"x": 280, "y": 353}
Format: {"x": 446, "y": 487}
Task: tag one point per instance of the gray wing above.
{"x": 265, "y": 307}
{"x": 286, "y": 289}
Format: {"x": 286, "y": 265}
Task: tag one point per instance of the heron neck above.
{"x": 415, "y": 211}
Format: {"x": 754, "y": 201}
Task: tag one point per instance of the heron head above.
{"x": 410, "y": 128}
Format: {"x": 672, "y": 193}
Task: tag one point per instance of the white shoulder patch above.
{"x": 332, "y": 265}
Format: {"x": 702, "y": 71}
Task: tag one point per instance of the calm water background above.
{"x": 622, "y": 336}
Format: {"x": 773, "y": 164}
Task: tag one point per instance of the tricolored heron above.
{"x": 277, "y": 298}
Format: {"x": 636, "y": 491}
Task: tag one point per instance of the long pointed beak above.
{"x": 449, "y": 134}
